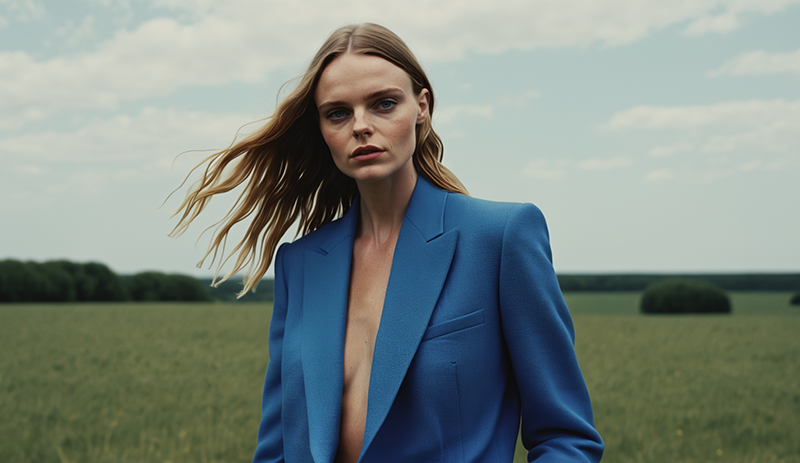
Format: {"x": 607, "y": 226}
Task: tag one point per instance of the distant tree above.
{"x": 90, "y": 281}
{"x": 684, "y": 296}
{"x": 145, "y": 286}
{"x": 19, "y": 281}
{"x": 108, "y": 286}
{"x": 184, "y": 288}
{"x": 157, "y": 286}
{"x": 795, "y": 299}
{"x": 65, "y": 281}
{"x": 58, "y": 284}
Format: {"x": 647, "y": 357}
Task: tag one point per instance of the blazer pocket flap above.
{"x": 457, "y": 324}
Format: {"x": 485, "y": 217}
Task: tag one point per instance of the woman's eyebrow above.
{"x": 371, "y": 96}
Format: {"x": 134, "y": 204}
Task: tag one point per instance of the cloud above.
{"x": 449, "y": 113}
{"x": 604, "y": 164}
{"x": 664, "y": 151}
{"x": 72, "y": 33}
{"x": 765, "y": 130}
{"x": 760, "y": 62}
{"x": 728, "y": 16}
{"x": 660, "y": 174}
{"x": 23, "y": 11}
{"x": 556, "y": 170}
{"x": 132, "y": 65}
{"x": 718, "y": 24}
{"x": 216, "y": 43}
{"x": 92, "y": 159}
{"x": 750, "y": 113}
{"x": 544, "y": 169}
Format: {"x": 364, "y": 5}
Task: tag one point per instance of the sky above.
{"x": 655, "y": 136}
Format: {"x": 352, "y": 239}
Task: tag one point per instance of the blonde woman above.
{"x": 411, "y": 322}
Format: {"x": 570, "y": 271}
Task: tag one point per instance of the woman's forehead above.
{"x": 352, "y": 74}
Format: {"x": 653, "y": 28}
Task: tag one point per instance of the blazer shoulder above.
{"x": 463, "y": 209}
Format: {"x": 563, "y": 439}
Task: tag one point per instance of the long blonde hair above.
{"x": 287, "y": 168}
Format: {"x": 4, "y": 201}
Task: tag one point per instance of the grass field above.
{"x": 181, "y": 382}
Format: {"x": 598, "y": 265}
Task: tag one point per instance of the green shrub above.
{"x": 684, "y": 296}
{"x": 795, "y": 299}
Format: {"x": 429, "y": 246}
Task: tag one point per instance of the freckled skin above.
{"x": 366, "y": 100}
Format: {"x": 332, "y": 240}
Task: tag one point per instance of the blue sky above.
{"x": 655, "y": 136}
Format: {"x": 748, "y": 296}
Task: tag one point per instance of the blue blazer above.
{"x": 474, "y": 336}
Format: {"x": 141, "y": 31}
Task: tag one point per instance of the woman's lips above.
{"x": 366, "y": 153}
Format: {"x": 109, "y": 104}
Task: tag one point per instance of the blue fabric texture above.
{"x": 474, "y": 339}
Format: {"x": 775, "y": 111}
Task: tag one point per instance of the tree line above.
{"x": 639, "y": 282}
{"x": 65, "y": 281}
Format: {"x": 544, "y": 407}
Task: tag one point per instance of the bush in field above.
{"x": 795, "y": 299}
{"x": 684, "y": 296}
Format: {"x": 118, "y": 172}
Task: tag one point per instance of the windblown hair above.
{"x": 288, "y": 169}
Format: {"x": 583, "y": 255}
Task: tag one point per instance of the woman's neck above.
{"x": 383, "y": 205}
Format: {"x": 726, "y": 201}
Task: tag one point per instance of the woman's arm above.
{"x": 557, "y": 422}
{"x": 270, "y": 432}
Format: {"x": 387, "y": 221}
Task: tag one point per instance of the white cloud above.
{"x": 664, "y": 151}
{"x": 604, "y": 164}
{"x": 159, "y": 57}
{"x": 660, "y": 174}
{"x": 111, "y": 157}
{"x": 773, "y": 165}
{"x": 145, "y": 143}
{"x": 23, "y": 11}
{"x": 242, "y": 40}
{"x": 449, "y": 113}
{"x": 544, "y": 169}
{"x": 766, "y": 130}
{"x": 760, "y": 62}
{"x": 750, "y": 113}
{"x": 718, "y": 24}
{"x": 520, "y": 100}
{"x": 72, "y": 33}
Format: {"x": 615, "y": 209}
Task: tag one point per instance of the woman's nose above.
{"x": 361, "y": 125}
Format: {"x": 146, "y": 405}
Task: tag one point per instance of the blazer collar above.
{"x": 425, "y": 212}
{"x": 421, "y": 261}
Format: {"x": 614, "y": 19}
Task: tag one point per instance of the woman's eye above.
{"x": 337, "y": 114}
{"x": 386, "y": 104}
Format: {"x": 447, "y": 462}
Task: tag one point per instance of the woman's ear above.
{"x": 423, "y": 97}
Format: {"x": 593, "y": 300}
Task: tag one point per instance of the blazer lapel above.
{"x": 325, "y": 289}
{"x": 422, "y": 258}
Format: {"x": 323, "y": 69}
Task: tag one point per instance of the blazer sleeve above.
{"x": 557, "y": 422}
{"x": 270, "y": 431}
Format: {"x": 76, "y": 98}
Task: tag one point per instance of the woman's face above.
{"x": 368, "y": 113}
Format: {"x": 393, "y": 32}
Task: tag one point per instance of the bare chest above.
{"x": 369, "y": 277}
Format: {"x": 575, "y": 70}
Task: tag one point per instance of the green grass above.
{"x": 182, "y": 382}
{"x": 131, "y": 382}
{"x": 689, "y": 388}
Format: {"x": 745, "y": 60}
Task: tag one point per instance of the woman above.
{"x": 422, "y": 324}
